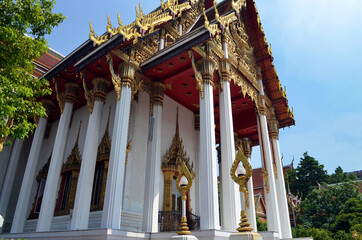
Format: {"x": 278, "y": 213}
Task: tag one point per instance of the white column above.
{"x": 56, "y": 162}
{"x": 28, "y": 179}
{"x": 231, "y": 197}
{"x": 209, "y": 212}
{"x": 111, "y": 217}
{"x": 153, "y": 166}
{"x": 10, "y": 176}
{"x": 197, "y": 164}
{"x": 286, "y": 231}
{"x": 250, "y": 208}
{"x": 272, "y": 208}
{"x": 83, "y": 195}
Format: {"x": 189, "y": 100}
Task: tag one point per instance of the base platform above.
{"x": 111, "y": 234}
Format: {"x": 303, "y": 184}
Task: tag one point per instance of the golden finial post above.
{"x": 241, "y": 172}
{"x": 183, "y": 185}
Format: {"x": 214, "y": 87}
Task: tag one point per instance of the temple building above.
{"x": 131, "y": 106}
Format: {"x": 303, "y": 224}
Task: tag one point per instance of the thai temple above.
{"x": 144, "y": 127}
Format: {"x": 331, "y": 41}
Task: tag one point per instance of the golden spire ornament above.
{"x": 241, "y": 172}
{"x": 183, "y": 185}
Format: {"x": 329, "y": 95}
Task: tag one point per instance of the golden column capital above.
{"x": 206, "y": 68}
{"x": 69, "y": 95}
{"x": 246, "y": 143}
{"x": 48, "y": 105}
{"x": 71, "y": 92}
{"x": 127, "y": 72}
{"x": 100, "y": 88}
{"x": 98, "y": 93}
{"x": 158, "y": 89}
{"x": 274, "y": 124}
{"x": 224, "y": 70}
{"x": 261, "y": 108}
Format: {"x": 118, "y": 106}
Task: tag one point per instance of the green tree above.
{"x": 321, "y": 208}
{"x": 306, "y": 176}
{"x": 349, "y": 216}
{"x": 316, "y": 233}
{"x": 23, "y": 25}
{"x": 340, "y": 176}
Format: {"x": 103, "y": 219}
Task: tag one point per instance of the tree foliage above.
{"x": 335, "y": 209}
{"x": 23, "y": 25}
{"x": 340, "y": 176}
{"x": 306, "y": 176}
{"x": 322, "y": 207}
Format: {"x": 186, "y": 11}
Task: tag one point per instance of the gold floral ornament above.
{"x": 183, "y": 185}
{"x": 89, "y": 94}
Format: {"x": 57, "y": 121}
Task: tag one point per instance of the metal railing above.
{"x": 170, "y": 221}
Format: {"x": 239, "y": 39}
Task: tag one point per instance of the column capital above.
{"x": 100, "y": 88}
{"x": 48, "y": 105}
{"x": 224, "y": 71}
{"x": 246, "y": 143}
{"x": 274, "y": 124}
{"x": 260, "y": 107}
{"x": 71, "y": 91}
{"x": 69, "y": 95}
{"x": 127, "y": 72}
{"x": 158, "y": 89}
{"x": 206, "y": 68}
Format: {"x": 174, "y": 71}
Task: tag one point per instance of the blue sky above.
{"x": 317, "y": 54}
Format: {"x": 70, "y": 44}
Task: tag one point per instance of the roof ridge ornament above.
{"x": 223, "y": 22}
{"x": 96, "y": 40}
{"x": 142, "y": 23}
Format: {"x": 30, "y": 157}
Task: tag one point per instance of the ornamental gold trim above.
{"x": 89, "y": 95}
{"x": 275, "y": 169}
{"x": 115, "y": 78}
{"x": 198, "y": 76}
{"x": 265, "y": 175}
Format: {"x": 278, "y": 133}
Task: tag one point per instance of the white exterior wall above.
{"x": 187, "y": 135}
{"x": 136, "y": 167}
